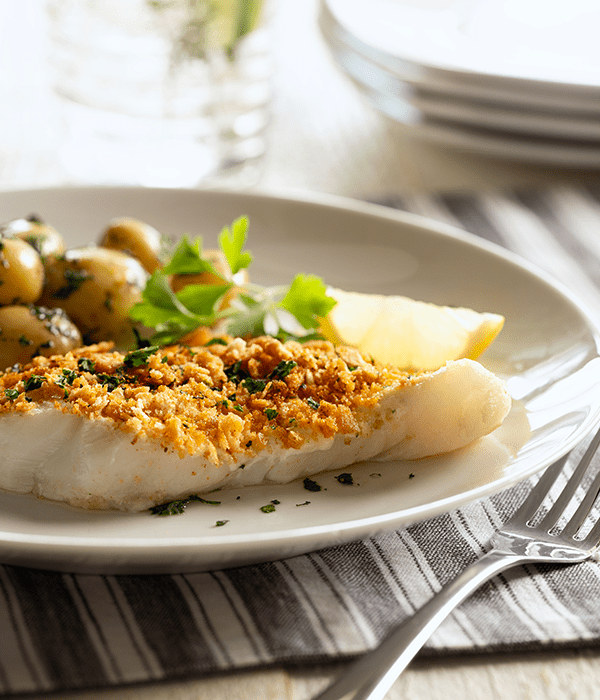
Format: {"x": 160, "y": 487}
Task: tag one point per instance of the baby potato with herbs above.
{"x": 136, "y": 238}
{"x": 97, "y": 288}
{"x": 41, "y": 236}
{"x": 21, "y": 272}
{"x": 29, "y": 331}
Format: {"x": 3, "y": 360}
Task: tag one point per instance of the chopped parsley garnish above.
{"x": 271, "y": 413}
{"x": 215, "y": 341}
{"x": 345, "y": 478}
{"x": 306, "y": 503}
{"x": 69, "y": 375}
{"x": 110, "y": 381}
{"x": 311, "y": 485}
{"x": 11, "y": 394}
{"x": 282, "y": 369}
{"x": 24, "y": 342}
{"x": 33, "y": 382}
{"x": 172, "y": 508}
{"x": 179, "y": 506}
{"x": 313, "y": 403}
{"x": 254, "y": 386}
{"x": 235, "y": 372}
{"x": 269, "y": 508}
{"x": 66, "y": 378}
{"x": 85, "y": 364}
{"x": 139, "y": 358}
{"x": 74, "y": 279}
{"x": 220, "y": 523}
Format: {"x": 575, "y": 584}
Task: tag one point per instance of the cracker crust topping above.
{"x": 236, "y": 397}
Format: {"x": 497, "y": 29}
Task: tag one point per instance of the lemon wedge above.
{"x": 406, "y": 333}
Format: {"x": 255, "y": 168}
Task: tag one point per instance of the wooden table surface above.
{"x": 323, "y": 138}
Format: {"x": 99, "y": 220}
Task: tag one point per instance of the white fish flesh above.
{"x": 101, "y": 429}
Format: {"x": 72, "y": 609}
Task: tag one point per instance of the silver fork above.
{"x": 520, "y": 541}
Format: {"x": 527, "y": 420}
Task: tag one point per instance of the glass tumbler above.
{"x": 171, "y": 93}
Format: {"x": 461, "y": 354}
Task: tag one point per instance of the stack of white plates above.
{"x": 517, "y": 79}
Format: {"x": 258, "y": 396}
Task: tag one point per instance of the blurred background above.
{"x": 324, "y": 132}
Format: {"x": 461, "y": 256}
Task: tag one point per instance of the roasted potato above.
{"x": 21, "y": 272}
{"x": 96, "y": 287}
{"x": 28, "y": 331}
{"x": 135, "y": 238}
{"x": 41, "y": 236}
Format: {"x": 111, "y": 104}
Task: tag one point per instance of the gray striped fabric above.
{"x": 62, "y": 631}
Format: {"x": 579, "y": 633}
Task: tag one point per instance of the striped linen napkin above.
{"x": 62, "y": 631}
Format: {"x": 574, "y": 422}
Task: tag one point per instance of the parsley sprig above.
{"x": 285, "y": 312}
{"x": 178, "y": 507}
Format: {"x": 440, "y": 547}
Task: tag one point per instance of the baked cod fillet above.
{"x": 106, "y": 430}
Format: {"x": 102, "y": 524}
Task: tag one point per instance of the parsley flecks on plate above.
{"x": 269, "y": 508}
{"x": 311, "y": 485}
{"x": 179, "y": 506}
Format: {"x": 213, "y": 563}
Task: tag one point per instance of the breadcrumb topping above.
{"x": 233, "y": 396}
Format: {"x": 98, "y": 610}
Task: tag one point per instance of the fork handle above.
{"x": 374, "y": 674}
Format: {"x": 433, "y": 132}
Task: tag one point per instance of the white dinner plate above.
{"x": 513, "y": 120}
{"x": 547, "y": 351}
{"x": 524, "y": 52}
{"x": 494, "y": 136}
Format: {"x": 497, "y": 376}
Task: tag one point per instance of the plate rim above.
{"x": 586, "y": 88}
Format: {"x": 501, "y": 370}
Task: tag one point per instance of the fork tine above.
{"x": 592, "y": 539}
{"x": 539, "y": 492}
{"x": 583, "y": 510}
{"x": 552, "y": 516}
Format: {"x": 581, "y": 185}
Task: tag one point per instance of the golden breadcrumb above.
{"x": 236, "y": 395}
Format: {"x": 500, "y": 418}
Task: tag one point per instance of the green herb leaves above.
{"x": 173, "y": 315}
{"x": 85, "y": 364}
{"x": 311, "y": 485}
{"x": 139, "y": 358}
{"x": 306, "y": 299}
{"x": 187, "y": 259}
{"x": 178, "y": 507}
{"x": 33, "y": 382}
{"x": 232, "y": 243}
{"x": 285, "y": 312}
